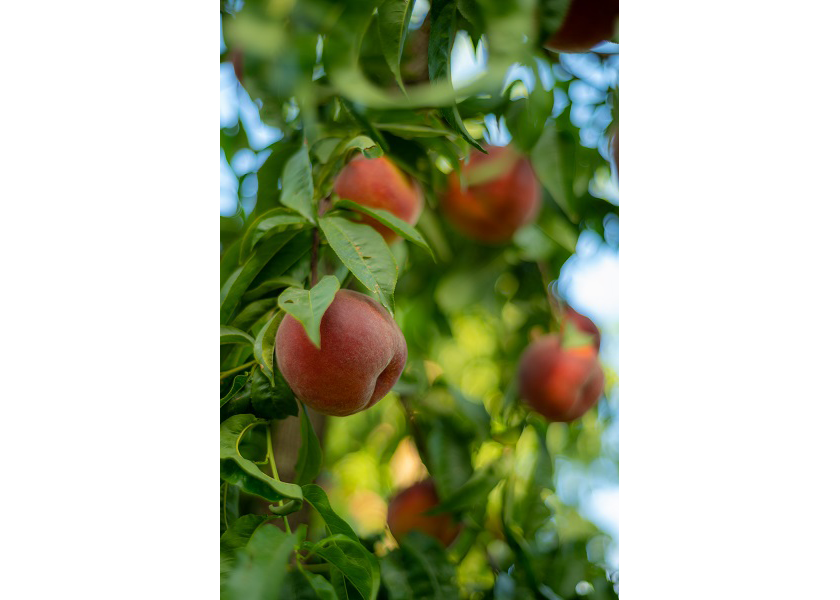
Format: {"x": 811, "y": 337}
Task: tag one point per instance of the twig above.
{"x": 237, "y": 369}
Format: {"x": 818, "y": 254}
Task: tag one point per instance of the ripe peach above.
{"x": 405, "y": 513}
{"x": 362, "y": 356}
{"x": 378, "y": 183}
{"x": 502, "y": 195}
{"x": 584, "y": 324}
{"x": 587, "y": 23}
{"x": 560, "y": 383}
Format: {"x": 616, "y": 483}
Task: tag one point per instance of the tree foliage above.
{"x": 335, "y": 80}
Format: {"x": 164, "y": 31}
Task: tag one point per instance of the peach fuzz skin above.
{"x": 405, "y": 513}
{"x": 491, "y": 211}
{"x": 362, "y": 355}
{"x": 378, "y": 183}
{"x": 560, "y": 383}
{"x": 587, "y": 23}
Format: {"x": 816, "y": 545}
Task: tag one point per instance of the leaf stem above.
{"x": 270, "y": 447}
{"x": 553, "y": 302}
{"x": 313, "y": 265}
{"x": 237, "y": 369}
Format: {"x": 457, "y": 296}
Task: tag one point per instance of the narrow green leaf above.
{"x": 393, "y": 18}
{"x": 362, "y": 249}
{"x": 241, "y": 278}
{"x": 473, "y": 493}
{"x": 449, "y": 459}
{"x": 349, "y": 557}
{"x": 552, "y": 170}
{"x": 228, "y": 506}
{"x": 389, "y": 220}
{"x": 309, "y": 306}
{"x": 237, "y": 470}
{"x": 252, "y": 313}
{"x": 309, "y": 456}
{"x": 273, "y": 221}
{"x": 262, "y": 567}
{"x": 317, "y": 498}
{"x": 275, "y": 283}
{"x": 444, "y": 21}
{"x": 238, "y": 383}
{"x": 264, "y": 346}
{"x": 232, "y": 335}
{"x": 298, "y": 191}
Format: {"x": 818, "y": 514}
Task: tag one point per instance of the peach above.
{"x": 587, "y": 23}
{"x": 378, "y": 183}
{"x": 560, "y": 383}
{"x": 362, "y": 356}
{"x": 584, "y": 324}
{"x": 405, "y": 513}
{"x": 502, "y": 195}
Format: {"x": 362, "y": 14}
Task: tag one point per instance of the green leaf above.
{"x": 284, "y": 264}
{"x": 393, "y": 18}
{"x": 362, "y": 249}
{"x": 275, "y": 283}
{"x": 241, "y": 278}
{"x": 238, "y": 383}
{"x": 309, "y": 456}
{"x": 272, "y": 401}
{"x": 526, "y": 118}
{"x": 424, "y": 562}
{"x": 252, "y": 313}
{"x": 368, "y": 147}
{"x": 236, "y": 537}
{"x": 473, "y": 493}
{"x": 309, "y": 306}
{"x": 237, "y": 470}
{"x": 271, "y": 222}
{"x": 262, "y": 567}
{"x": 268, "y": 175}
{"x": 298, "y": 191}
{"x": 443, "y": 15}
{"x": 552, "y": 169}
{"x": 389, "y": 220}
{"x": 228, "y": 506}
{"x": 317, "y": 498}
{"x": 350, "y": 558}
{"x": 232, "y": 335}
{"x": 264, "y": 346}
{"x": 395, "y": 577}
{"x": 320, "y": 585}
{"x": 449, "y": 458}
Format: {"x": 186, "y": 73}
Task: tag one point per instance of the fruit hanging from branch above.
{"x": 560, "y": 383}
{"x": 586, "y": 24}
{"x": 406, "y": 513}
{"x": 379, "y": 183}
{"x": 362, "y": 355}
{"x": 501, "y": 194}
